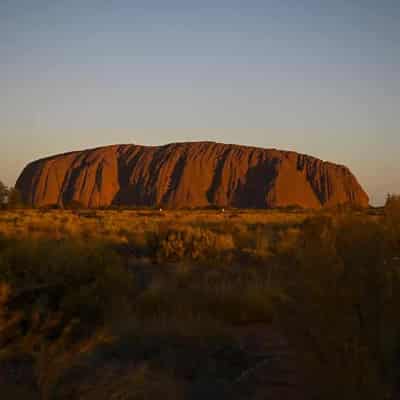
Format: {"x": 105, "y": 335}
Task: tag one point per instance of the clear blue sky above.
{"x": 299, "y": 75}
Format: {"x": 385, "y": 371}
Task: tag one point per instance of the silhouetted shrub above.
{"x": 55, "y": 284}
{"x": 392, "y": 209}
{"x": 14, "y": 199}
{"x": 341, "y": 315}
{"x": 3, "y": 195}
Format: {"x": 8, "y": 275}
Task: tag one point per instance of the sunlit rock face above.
{"x": 195, "y": 174}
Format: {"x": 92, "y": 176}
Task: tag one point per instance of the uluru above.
{"x": 192, "y": 174}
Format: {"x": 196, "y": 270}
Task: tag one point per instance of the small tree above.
{"x": 14, "y": 198}
{"x": 392, "y": 204}
{"x": 392, "y": 212}
{"x": 3, "y": 194}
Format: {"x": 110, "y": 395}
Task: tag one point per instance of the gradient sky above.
{"x": 319, "y": 79}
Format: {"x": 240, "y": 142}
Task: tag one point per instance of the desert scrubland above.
{"x": 194, "y": 304}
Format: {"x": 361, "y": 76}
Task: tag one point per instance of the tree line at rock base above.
{"x": 10, "y": 198}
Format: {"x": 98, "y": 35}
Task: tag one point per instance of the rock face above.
{"x": 197, "y": 174}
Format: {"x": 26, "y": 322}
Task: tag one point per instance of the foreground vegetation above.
{"x": 145, "y": 304}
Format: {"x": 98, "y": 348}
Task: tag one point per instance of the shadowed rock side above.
{"x": 188, "y": 175}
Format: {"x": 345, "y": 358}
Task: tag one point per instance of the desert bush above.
{"x": 341, "y": 316}
{"x": 332, "y": 281}
{"x": 392, "y": 201}
{"x": 14, "y": 199}
{"x": 55, "y": 299}
{"x": 56, "y": 283}
{"x": 180, "y": 243}
{"x": 392, "y": 211}
{"x": 233, "y": 297}
{"x": 3, "y": 194}
{"x": 137, "y": 383}
{"x": 140, "y": 242}
{"x": 57, "y": 295}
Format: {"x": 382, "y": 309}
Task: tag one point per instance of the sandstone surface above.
{"x": 193, "y": 174}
